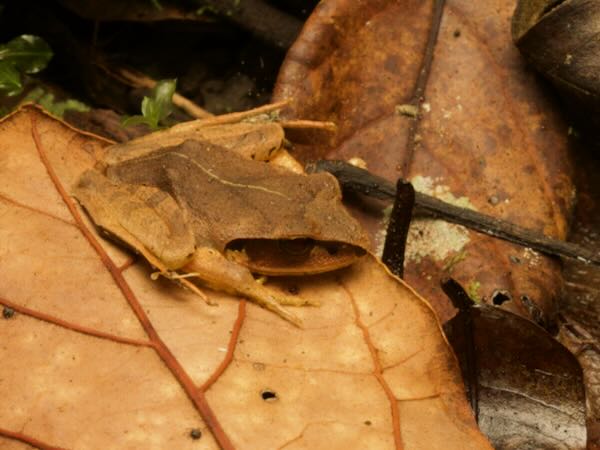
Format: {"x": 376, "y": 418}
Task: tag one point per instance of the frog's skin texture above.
{"x": 203, "y": 211}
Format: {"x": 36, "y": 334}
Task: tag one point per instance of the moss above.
{"x": 454, "y": 260}
{"x": 473, "y": 291}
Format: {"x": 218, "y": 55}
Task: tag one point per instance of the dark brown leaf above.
{"x": 560, "y": 39}
{"x": 529, "y": 388}
{"x": 526, "y": 388}
{"x": 581, "y": 306}
{"x": 485, "y": 135}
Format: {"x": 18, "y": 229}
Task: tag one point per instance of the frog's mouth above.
{"x": 302, "y": 256}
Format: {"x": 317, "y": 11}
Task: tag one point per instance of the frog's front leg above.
{"x": 144, "y": 218}
{"x": 224, "y": 275}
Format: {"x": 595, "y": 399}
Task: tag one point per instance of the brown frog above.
{"x": 199, "y": 210}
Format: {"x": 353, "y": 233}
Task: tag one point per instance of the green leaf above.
{"x": 150, "y": 112}
{"x": 135, "y": 120}
{"x": 73, "y": 105}
{"x": 34, "y": 95}
{"x": 27, "y": 53}
{"x": 10, "y": 79}
{"x": 162, "y": 94}
{"x": 46, "y": 100}
{"x": 157, "y": 107}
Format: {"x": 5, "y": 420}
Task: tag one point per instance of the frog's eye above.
{"x": 296, "y": 247}
{"x": 332, "y": 249}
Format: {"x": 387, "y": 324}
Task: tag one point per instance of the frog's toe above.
{"x": 289, "y": 300}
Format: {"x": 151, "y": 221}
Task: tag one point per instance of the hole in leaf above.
{"x": 7, "y": 312}
{"x": 196, "y": 433}
{"x": 499, "y": 297}
{"x": 268, "y": 395}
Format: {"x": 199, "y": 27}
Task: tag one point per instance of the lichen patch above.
{"x": 435, "y": 239}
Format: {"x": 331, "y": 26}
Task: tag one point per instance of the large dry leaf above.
{"x": 581, "y": 330}
{"x": 479, "y": 133}
{"x": 97, "y": 355}
{"x": 560, "y": 39}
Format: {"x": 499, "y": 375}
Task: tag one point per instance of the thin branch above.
{"x": 362, "y": 181}
{"x": 137, "y": 79}
{"x": 421, "y": 83}
{"x": 308, "y": 124}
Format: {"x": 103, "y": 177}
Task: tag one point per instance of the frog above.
{"x": 206, "y": 216}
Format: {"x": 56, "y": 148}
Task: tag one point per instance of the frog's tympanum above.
{"x": 203, "y": 211}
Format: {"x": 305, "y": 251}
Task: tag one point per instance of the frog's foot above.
{"x": 181, "y": 279}
{"x": 264, "y": 297}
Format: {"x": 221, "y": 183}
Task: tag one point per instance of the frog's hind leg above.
{"x": 224, "y": 275}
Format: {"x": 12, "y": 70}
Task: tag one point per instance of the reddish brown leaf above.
{"x": 484, "y": 135}
{"x": 96, "y": 353}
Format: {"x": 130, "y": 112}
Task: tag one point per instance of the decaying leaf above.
{"x": 485, "y": 136}
{"x": 96, "y": 353}
{"x": 560, "y": 39}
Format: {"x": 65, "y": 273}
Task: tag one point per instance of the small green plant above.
{"x": 157, "y": 107}
{"x": 25, "y": 54}
{"x": 46, "y": 100}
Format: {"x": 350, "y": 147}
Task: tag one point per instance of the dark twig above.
{"x": 462, "y": 337}
{"x": 362, "y": 181}
{"x": 397, "y": 231}
{"x": 421, "y": 83}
